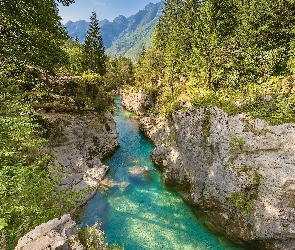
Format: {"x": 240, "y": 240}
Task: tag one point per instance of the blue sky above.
{"x": 105, "y": 9}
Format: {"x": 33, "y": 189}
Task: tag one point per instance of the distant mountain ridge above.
{"x": 125, "y": 36}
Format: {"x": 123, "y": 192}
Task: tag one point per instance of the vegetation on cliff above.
{"x": 238, "y": 55}
{"x": 37, "y": 64}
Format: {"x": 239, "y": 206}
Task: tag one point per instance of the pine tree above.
{"x": 214, "y": 33}
{"x": 94, "y": 51}
{"x": 265, "y": 35}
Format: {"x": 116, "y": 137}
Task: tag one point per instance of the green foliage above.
{"x": 237, "y": 142}
{"x": 74, "y": 51}
{"x": 213, "y": 41}
{"x": 92, "y": 237}
{"x": 94, "y": 58}
{"x": 272, "y": 100}
{"x": 256, "y": 177}
{"x": 31, "y": 33}
{"x": 244, "y": 200}
{"x": 148, "y": 69}
{"x": 28, "y": 187}
{"x": 206, "y": 123}
{"x": 3, "y": 223}
{"x": 119, "y": 73}
{"x": 89, "y": 93}
{"x": 241, "y": 201}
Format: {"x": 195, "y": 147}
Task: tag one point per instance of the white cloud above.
{"x": 97, "y": 2}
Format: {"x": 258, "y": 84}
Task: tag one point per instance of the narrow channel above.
{"x": 138, "y": 211}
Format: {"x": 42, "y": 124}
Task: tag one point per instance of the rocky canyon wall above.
{"x": 78, "y": 143}
{"x": 238, "y": 171}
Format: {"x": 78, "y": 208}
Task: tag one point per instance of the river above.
{"x": 138, "y": 211}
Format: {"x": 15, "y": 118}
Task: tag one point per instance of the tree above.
{"x": 94, "y": 51}
{"x": 119, "y": 73}
{"x": 265, "y": 35}
{"x": 75, "y": 53}
{"x": 31, "y": 33}
{"x": 214, "y": 33}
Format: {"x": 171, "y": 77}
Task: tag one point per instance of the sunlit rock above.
{"x": 239, "y": 172}
{"x": 56, "y": 234}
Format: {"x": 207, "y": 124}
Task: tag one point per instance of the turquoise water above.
{"x": 138, "y": 211}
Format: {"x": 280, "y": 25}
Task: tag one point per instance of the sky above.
{"x": 105, "y": 9}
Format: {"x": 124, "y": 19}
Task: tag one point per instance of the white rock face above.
{"x": 57, "y": 234}
{"x": 136, "y": 102}
{"x": 79, "y": 142}
{"x": 239, "y": 172}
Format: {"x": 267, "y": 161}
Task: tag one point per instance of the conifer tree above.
{"x": 265, "y": 35}
{"x": 212, "y": 44}
{"x": 94, "y": 51}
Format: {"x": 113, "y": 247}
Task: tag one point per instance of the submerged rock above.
{"x": 239, "y": 172}
{"x": 138, "y": 170}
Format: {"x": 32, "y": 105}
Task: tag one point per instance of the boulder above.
{"x": 57, "y": 234}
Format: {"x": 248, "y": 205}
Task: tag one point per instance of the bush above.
{"x": 93, "y": 239}
{"x": 28, "y": 187}
{"x": 89, "y": 93}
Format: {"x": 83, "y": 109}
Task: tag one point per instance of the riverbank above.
{"x": 79, "y": 142}
{"x": 138, "y": 210}
{"x": 237, "y": 171}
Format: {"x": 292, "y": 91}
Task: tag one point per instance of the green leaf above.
{"x": 3, "y": 224}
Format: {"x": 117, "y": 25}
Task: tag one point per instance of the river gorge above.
{"x": 234, "y": 178}
{"x": 139, "y": 211}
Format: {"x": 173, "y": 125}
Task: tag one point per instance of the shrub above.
{"x": 93, "y": 239}
{"x": 28, "y": 187}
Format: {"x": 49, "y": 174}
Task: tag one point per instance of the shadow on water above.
{"x": 138, "y": 211}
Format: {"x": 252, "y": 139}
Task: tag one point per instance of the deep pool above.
{"x": 138, "y": 211}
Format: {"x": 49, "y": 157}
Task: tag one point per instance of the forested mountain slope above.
{"x": 125, "y": 36}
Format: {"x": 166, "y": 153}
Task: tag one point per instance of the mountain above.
{"x": 77, "y": 29}
{"x": 138, "y": 34}
{"x": 124, "y": 36}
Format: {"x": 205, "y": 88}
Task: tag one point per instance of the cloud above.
{"x": 97, "y": 2}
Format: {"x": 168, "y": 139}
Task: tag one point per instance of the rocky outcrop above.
{"x": 57, "y": 234}
{"x": 136, "y": 102}
{"x": 79, "y": 142}
{"x": 238, "y": 171}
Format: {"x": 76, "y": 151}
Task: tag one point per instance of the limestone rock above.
{"x": 136, "y": 102}
{"x": 239, "y": 172}
{"x": 56, "y": 234}
{"x": 79, "y": 142}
